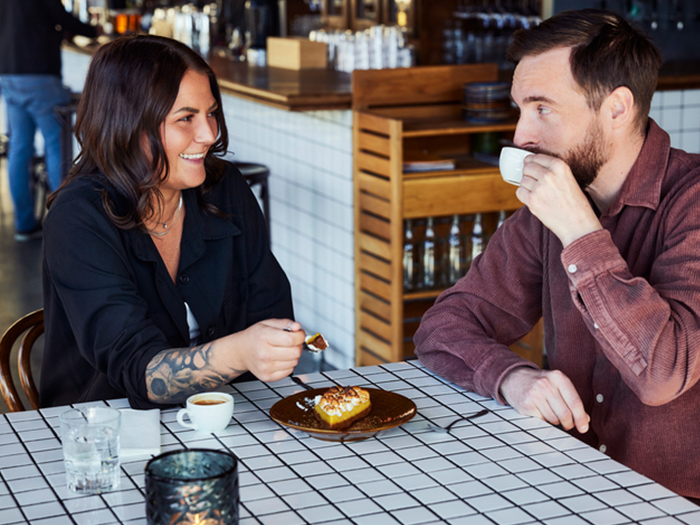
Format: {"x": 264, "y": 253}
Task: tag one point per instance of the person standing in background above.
{"x": 31, "y": 32}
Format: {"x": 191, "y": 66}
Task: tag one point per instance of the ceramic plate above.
{"x": 389, "y": 410}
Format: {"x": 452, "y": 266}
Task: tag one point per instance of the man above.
{"x": 605, "y": 250}
{"x": 31, "y": 32}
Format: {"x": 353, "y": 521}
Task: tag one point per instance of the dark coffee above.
{"x": 209, "y": 402}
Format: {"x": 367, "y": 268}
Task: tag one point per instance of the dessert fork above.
{"x": 310, "y": 343}
{"x": 300, "y": 382}
{"x": 444, "y": 430}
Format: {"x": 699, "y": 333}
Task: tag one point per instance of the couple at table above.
{"x": 159, "y": 281}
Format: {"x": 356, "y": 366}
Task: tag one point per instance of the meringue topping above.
{"x": 338, "y": 400}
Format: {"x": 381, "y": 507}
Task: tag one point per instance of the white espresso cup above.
{"x": 511, "y": 164}
{"x": 208, "y": 412}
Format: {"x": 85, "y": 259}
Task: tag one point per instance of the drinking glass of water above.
{"x": 90, "y": 437}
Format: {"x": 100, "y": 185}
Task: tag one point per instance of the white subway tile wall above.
{"x": 678, "y": 112}
{"x": 310, "y": 159}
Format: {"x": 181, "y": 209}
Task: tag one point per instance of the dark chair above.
{"x": 33, "y": 325}
{"x": 258, "y": 174}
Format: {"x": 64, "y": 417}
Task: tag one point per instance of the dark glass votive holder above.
{"x": 192, "y": 486}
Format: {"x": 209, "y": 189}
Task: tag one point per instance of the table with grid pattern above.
{"x": 502, "y": 468}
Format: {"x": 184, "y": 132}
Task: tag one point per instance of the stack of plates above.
{"x": 486, "y": 102}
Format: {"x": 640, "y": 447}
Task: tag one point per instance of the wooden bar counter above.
{"x": 679, "y": 75}
{"x": 305, "y": 90}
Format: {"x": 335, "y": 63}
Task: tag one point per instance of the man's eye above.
{"x": 543, "y": 110}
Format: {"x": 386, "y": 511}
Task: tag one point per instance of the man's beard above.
{"x": 586, "y": 159}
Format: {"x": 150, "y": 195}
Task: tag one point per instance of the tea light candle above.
{"x": 195, "y": 486}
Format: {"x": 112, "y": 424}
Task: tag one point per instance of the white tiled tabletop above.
{"x": 502, "y": 468}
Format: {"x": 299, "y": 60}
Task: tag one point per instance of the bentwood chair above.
{"x": 33, "y": 325}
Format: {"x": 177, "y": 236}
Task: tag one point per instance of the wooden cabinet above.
{"x": 396, "y": 114}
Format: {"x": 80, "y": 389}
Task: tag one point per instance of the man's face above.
{"x": 554, "y": 116}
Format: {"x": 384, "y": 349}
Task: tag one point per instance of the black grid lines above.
{"x": 501, "y": 468}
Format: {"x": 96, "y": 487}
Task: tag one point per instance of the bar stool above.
{"x": 258, "y": 174}
{"x": 64, "y": 114}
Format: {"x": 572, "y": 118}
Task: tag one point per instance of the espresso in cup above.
{"x": 207, "y": 412}
{"x": 209, "y": 401}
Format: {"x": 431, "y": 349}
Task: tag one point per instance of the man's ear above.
{"x": 620, "y": 107}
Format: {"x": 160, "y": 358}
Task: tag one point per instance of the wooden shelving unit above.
{"x": 396, "y": 111}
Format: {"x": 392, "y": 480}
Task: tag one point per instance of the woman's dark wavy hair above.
{"x": 607, "y": 52}
{"x": 131, "y": 86}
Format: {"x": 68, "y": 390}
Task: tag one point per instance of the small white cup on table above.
{"x": 207, "y": 412}
{"x": 511, "y": 162}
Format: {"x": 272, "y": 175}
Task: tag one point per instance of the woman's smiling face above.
{"x": 188, "y": 131}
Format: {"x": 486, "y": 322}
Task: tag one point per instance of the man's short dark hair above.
{"x": 606, "y": 53}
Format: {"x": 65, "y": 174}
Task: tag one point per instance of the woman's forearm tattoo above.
{"x": 174, "y": 375}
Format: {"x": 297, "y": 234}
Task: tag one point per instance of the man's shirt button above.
{"x": 572, "y": 268}
{"x": 599, "y": 398}
{"x": 603, "y": 448}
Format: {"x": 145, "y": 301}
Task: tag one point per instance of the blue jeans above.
{"x": 30, "y": 104}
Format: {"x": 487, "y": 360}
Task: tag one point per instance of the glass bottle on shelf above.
{"x": 409, "y": 253}
{"x": 502, "y": 216}
{"x": 466, "y": 223}
{"x": 457, "y": 258}
{"x": 478, "y": 243}
{"x": 427, "y": 279}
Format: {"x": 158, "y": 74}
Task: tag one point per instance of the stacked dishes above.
{"x": 487, "y": 102}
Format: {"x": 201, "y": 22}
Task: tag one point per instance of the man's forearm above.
{"x": 173, "y": 375}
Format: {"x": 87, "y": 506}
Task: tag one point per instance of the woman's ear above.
{"x": 620, "y": 107}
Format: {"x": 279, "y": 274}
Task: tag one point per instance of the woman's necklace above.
{"x": 176, "y": 215}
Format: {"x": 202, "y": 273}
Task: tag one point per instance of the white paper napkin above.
{"x": 140, "y": 434}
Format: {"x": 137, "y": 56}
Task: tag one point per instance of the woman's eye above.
{"x": 186, "y": 119}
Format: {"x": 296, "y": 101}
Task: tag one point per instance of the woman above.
{"x": 158, "y": 277}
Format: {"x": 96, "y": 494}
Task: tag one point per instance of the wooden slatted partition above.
{"x": 397, "y": 113}
{"x": 378, "y": 223}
